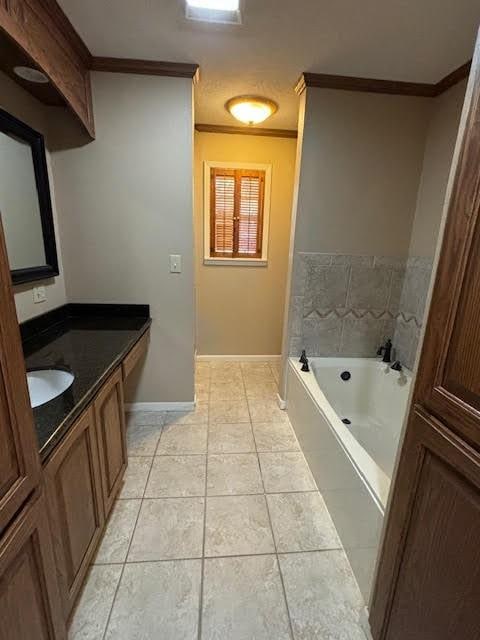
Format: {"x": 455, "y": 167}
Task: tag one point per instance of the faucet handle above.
{"x": 303, "y": 357}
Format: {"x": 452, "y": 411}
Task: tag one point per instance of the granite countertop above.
{"x": 90, "y": 341}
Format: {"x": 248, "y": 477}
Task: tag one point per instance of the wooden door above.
{"x": 110, "y": 421}
{"x": 428, "y": 583}
{"x": 19, "y": 460}
{"x": 75, "y": 505}
{"x": 29, "y": 599}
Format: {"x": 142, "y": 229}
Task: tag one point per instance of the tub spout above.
{"x": 397, "y": 366}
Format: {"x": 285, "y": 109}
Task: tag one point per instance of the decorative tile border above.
{"x": 346, "y": 305}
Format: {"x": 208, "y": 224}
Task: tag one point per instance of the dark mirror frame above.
{"x": 11, "y": 125}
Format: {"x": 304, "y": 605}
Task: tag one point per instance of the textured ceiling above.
{"x": 416, "y": 40}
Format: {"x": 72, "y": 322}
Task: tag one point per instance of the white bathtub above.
{"x": 352, "y": 464}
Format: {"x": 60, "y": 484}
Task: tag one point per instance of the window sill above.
{"x": 235, "y": 262}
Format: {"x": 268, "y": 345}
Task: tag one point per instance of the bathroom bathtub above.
{"x": 352, "y": 464}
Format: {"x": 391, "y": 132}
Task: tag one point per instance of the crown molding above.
{"x": 145, "y": 67}
{"x": 374, "y": 85}
{"x": 246, "y": 131}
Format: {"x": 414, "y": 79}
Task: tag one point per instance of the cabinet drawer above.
{"x": 135, "y": 355}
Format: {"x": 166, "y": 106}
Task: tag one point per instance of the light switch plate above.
{"x": 175, "y": 264}
{"x": 39, "y": 294}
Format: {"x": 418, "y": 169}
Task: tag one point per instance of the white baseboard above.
{"x": 160, "y": 406}
{"x": 281, "y": 402}
{"x": 239, "y": 358}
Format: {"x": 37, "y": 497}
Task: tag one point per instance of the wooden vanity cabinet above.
{"x": 112, "y": 446}
{"x": 30, "y": 604}
{"x": 72, "y": 477}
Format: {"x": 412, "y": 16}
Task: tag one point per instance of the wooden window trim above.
{"x": 236, "y": 169}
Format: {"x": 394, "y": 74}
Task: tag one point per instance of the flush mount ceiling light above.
{"x": 31, "y": 74}
{"x": 251, "y": 109}
{"x": 223, "y": 11}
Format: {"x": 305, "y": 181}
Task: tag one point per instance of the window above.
{"x": 236, "y": 213}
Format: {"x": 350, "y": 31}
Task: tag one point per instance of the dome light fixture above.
{"x": 251, "y": 109}
{"x": 31, "y": 74}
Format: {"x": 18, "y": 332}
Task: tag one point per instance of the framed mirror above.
{"x": 25, "y": 202}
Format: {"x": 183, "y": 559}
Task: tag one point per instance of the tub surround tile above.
{"x": 285, "y": 472}
{"x": 91, "y": 614}
{"x": 119, "y": 531}
{"x": 168, "y": 529}
{"x": 322, "y": 336}
{"x": 234, "y": 586}
{"x": 181, "y": 439}
{"x": 351, "y": 260}
{"x": 274, "y": 436}
{"x": 369, "y": 287}
{"x": 230, "y": 438}
{"x": 177, "y": 476}
{"x": 230, "y": 474}
{"x": 323, "y": 598}
{"x": 157, "y": 600}
{"x": 361, "y": 337}
{"x": 301, "y": 522}
{"x": 237, "y": 525}
{"x": 326, "y": 287}
{"x": 135, "y": 478}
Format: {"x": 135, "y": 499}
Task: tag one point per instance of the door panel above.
{"x": 29, "y": 599}
{"x": 75, "y": 502}
{"x": 19, "y": 460}
{"x": 110, "y": 421}
{"x": 428, "y": 578}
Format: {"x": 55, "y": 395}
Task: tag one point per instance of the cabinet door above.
{"x": 29, "y": 599}
{"x": 428, "y": 584}
{"x": 110, "y": 421}
{"x": 19, "y": 460}
{"x": 75, "y": 504}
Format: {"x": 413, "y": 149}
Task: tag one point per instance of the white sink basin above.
{"x": 47, "y": 384}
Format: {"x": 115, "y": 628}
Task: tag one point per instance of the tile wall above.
{"x": 345, "y": 305}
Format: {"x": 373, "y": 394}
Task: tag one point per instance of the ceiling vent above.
{"x": 219, "y": 11}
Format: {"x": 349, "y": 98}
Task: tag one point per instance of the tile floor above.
{"x": 219, "y": 532}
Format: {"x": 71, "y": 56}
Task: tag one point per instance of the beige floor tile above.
{"x": 178, "y": 439}
{"x": 142, "y": 440}
{"x": 265, "y": 410}
{"x": 284, "y": 472}
{"x": 145, "y": 418}
{"x": 230, "y": 438}
{"x": 157, "y": 600}
{"x": 323, "y": 598}
{"x": 119, "y": 531}
{"x": 237, "y": 525}
{"x": 243, "y": 600}
{"x": 168, "y": 529}
{"x": 274, "y": 436}
{"x": 229, "y": 392}
{"x": 230, "y": 474}
{"x": 229, "y": 411}
{"x": 135, "y": 478}
{"x": 91, "y": 614}
{"x": 177, "y": 476}
{"x": 301, "y": 522}
{"x": 261, "y": 391}
{"x": 199, "y": 415}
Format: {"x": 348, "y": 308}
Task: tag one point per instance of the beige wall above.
{"x": 441, "y": 137}
{"x": 23, "y": 106}
{"x": 360, "y": 169}
{"x": 126, "y": 203}
{"x": 240, "y": 309}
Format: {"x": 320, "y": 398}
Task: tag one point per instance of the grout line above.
{"x": 202, "y": 570}
{"x": 130, "y": 543}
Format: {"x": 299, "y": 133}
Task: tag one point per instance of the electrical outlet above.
{"x": 175, "y": 264}
{"x": 39, "y": 294}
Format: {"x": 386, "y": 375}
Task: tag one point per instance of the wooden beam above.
{"x": 145, "y": 67}
{"x": 375, "y": 85}
{"x": 247, "y": 131}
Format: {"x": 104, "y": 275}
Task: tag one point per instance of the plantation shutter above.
{"x": 236, "y": 216}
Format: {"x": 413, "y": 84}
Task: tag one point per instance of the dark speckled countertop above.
{"x": 88, "y": 340}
